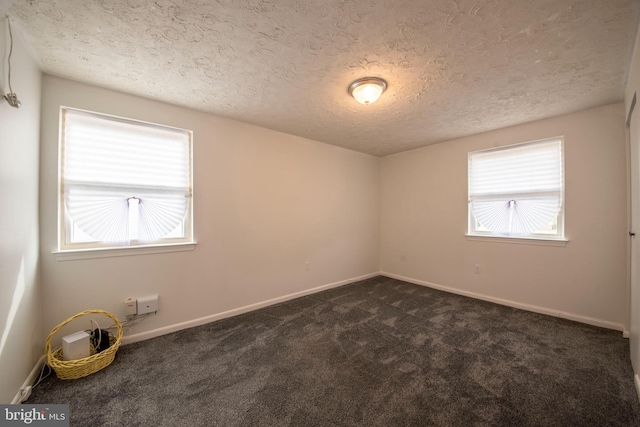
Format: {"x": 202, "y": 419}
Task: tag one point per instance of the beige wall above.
{"x": 264, "y": 204}
{"x": 21, "y": 337}
{"x": 424, "y": 220}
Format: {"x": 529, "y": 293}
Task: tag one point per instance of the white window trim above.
{"x": 530, "y": 239}
{"x": 519, "y": 240}
{"x": 110, "y": 252}
{"x": 74, "y": 251}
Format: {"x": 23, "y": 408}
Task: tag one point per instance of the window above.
{"x": 517, "y": 191}
{"x": 123, "y": 182}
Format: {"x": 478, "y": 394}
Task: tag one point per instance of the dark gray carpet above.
{"x": 380, "y": 352}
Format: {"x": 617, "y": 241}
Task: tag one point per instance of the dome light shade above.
{"x": 367, "y": 90}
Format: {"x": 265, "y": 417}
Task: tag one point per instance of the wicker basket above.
{"x": 74, "y": 369}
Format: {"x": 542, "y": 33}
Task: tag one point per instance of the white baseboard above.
{"x": 637, "y": 381}
{"x": 31, "y": 379}
{"x": 626, "y": 333}
{"x": 522, "y": 306}
{"x": 212, "y": 318}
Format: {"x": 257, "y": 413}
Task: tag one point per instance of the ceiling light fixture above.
{"x": 367, "y": 90}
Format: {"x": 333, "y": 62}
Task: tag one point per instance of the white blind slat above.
{"x": 531, "y": 167}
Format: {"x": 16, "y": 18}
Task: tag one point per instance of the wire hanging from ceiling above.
{"x": 11, "y": 97}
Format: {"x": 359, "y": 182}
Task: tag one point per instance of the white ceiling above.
{"x": 454, "y": 68}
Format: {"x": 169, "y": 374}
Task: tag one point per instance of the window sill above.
{"x": 518, "y": 240}
{"x": 75, "y": 254}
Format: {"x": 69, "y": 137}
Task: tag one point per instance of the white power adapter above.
{"x": 130, "y": 307}
{"x": 76, "y": 346}
{"x": 147, "y": 304}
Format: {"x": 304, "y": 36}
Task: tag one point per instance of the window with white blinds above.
{"x": 123, "y": 182}
{"x": 517, "y": 191}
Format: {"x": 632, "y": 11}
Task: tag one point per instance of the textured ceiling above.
{"x": 454, "y": 68}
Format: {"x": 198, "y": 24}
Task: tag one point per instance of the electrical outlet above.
{"x": 130, "y": 307}
{"x": 477, "y": 269}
